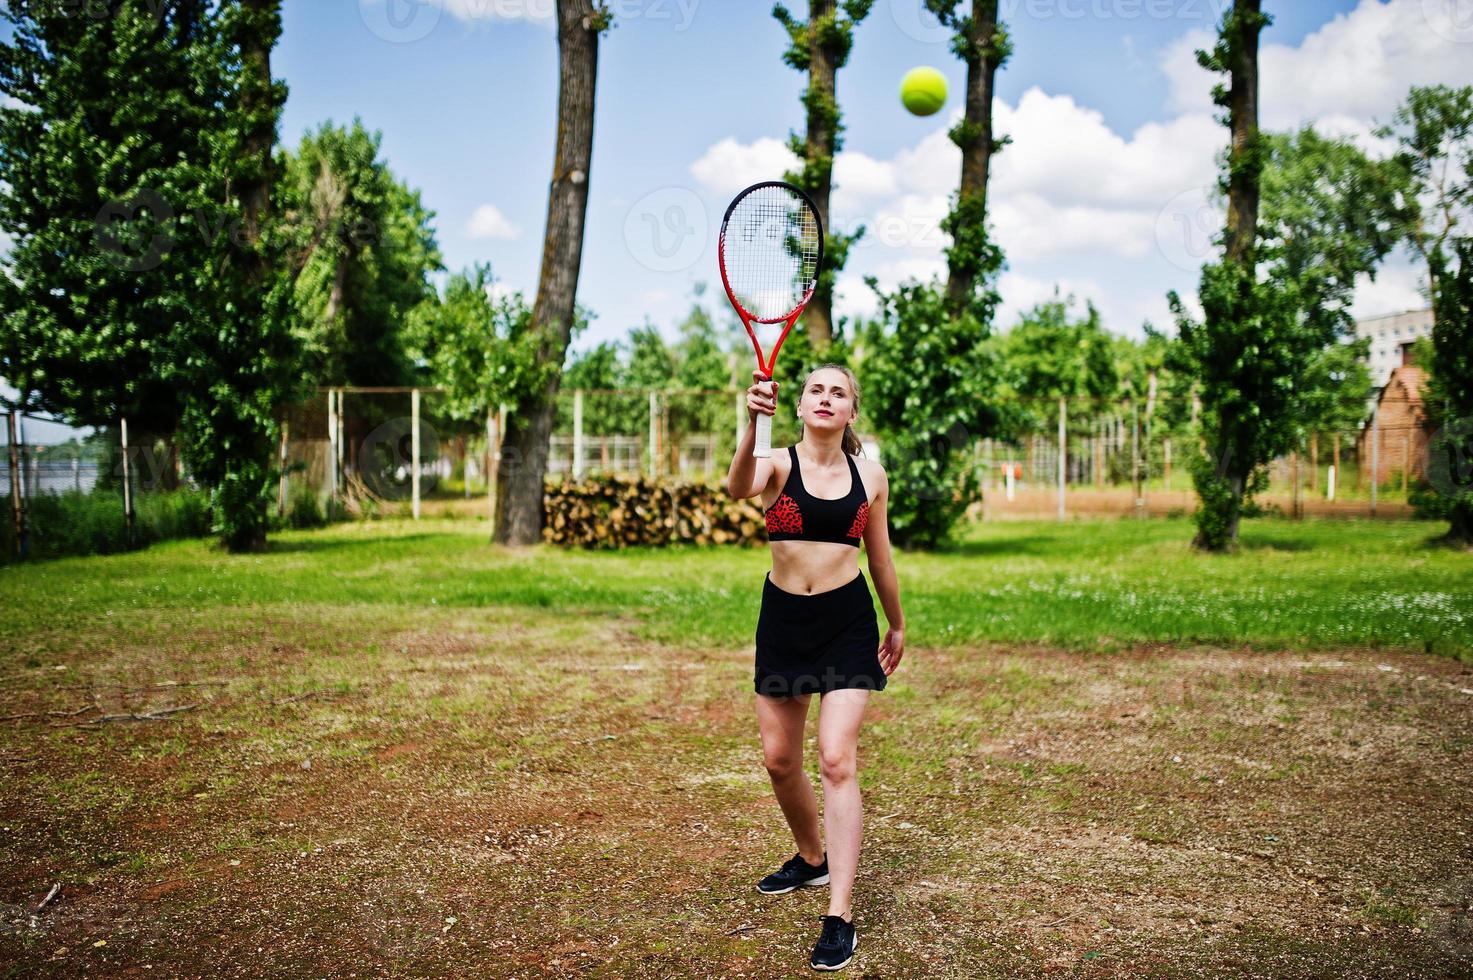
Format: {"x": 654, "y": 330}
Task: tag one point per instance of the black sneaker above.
{"x": 835, "y": 946}
{"x": 795, "y": 873}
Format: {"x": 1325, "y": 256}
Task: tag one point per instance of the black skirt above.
{"x": 818, "y": 643}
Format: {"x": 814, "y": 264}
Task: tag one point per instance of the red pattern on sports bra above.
{"x": 861, "y": 518}
{"x": 783, "y": 516}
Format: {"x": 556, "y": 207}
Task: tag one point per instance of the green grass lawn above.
{"x": 401, "y": 751}
{"x": 1082, "y": 585}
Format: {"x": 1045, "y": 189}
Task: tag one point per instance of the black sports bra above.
{"x": 797, "y": 515}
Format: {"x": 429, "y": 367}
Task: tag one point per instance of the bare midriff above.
{"x": 809, "y": 567}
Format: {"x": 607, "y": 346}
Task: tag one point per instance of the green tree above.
{"x": 479, "y": 345}
{"x": 135, "y": 180}
{"x": 1245, "y": 354}
{"x": 1432, "y": 129}
{"x": 364, "y": 250}
{"x": 821, "y": 46}
{"x": 580, "y": 24}
{"x": 928, "y": 368}
{"x": 927, "y": 384}
{"x": 240, "y": 359}
{"x": 983, "y": 44}
{"x": 1329, "y": 215}
{"x": 1049, "y": 355}
{"x": 1450, "y": 396}
{"x": 105, "y": 157}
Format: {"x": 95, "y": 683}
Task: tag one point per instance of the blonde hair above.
{"x": 852, "y": 445}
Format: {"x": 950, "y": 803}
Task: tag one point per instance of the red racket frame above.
{"x": 766, "y": 367}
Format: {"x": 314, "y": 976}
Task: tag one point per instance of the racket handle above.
{"x": 763, "y": 447}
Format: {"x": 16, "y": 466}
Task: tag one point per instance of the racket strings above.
{"x": 771, "y": 245}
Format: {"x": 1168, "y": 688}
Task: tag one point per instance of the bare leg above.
{"x": 781, "y": 721}
{"x": 839, "y": 715}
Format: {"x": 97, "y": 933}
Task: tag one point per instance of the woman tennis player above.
{"x": 817, "y": 632}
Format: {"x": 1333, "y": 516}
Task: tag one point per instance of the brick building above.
{"x": 1401, "y": 424}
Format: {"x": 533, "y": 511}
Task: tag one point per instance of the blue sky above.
{"x": 1104, "y": 190}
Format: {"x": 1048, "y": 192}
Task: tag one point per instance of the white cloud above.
{"x": 1029, "y": 226}
{"x": 1067, "y": 151}
{"x": 1021, "y": 293}
{"x": 1359, "y": 65}
{"x": 859, "y": 175}
{"x": 499, "y": 290}
{"x": 1396, "y": 288}
{"x": 1119, "y": 217}
{"x": 489, "y": 222}
{"x": 483, "y": 10}
{"x": 853, "y": 298}
{"x": 728, "y": 166}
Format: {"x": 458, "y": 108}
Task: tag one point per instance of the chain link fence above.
{"x": 384, "y": 452}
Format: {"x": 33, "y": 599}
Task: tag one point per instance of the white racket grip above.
{"x": 763, "y": 446}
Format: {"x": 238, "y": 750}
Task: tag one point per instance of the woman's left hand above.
{"x": 891, "y": 649}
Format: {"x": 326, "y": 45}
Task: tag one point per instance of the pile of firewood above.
{"x": 615, "y": 512}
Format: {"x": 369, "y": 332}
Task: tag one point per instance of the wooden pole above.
{"x": 1166, "y": 453}
{"x": 1314, "y": 462}
{"x": 654, "y": 434}
{"x": 490, "y": 469}
{"x": 414, "y": 449}
{"x": 127, "y": 484}
{"x": 1294, "y": 505}
{"x": 331, "y": 463}
{"x": 1135, "y": 458}
{"x": 1375, "y": 454}
{"x": 16, "y": 504}
{"x": 1335, "y": 467}
{"x": 1063, "y": 453}
{"x": 281, "y": 461}
{"x": 578, "y": 434}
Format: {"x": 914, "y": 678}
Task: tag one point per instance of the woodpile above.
{"x": 615, "y": 512}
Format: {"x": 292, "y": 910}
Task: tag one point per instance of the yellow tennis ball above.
{"x": 923, "y": 90}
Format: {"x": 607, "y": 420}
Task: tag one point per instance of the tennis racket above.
{"x": 770, "y": 251}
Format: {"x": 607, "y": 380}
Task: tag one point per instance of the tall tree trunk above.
{"x": 818, "y": 150}
{"x": 985, "y": 52}
{"x": 1243, "y": 181}
{"x": 1243, "y": 175}
{"x": 261, "y": 28}
{"x": 260, "y": 137}
{"x": 524, "y": 463}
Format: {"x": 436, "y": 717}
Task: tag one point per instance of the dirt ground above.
{"x": 464, "y": 794}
